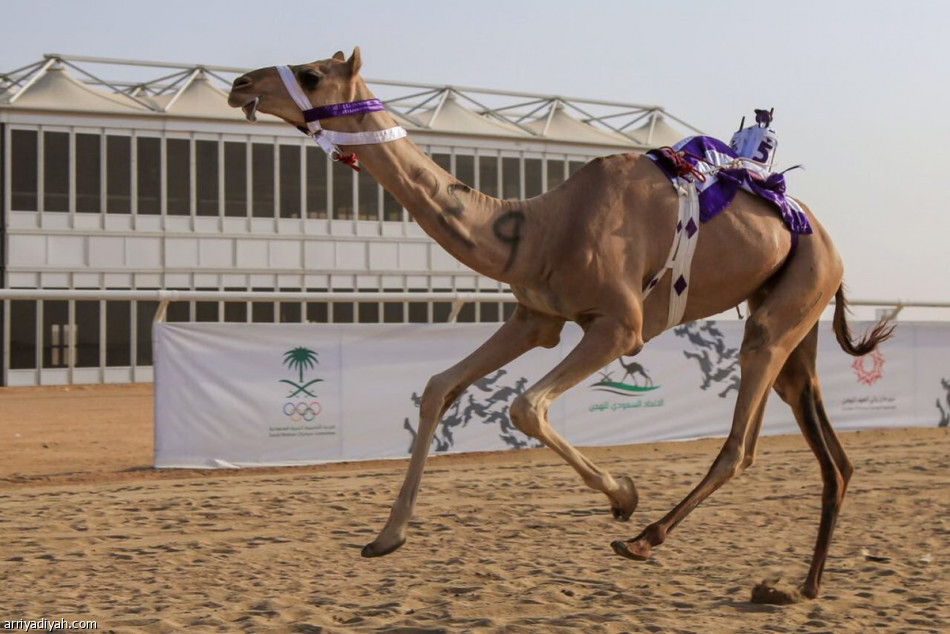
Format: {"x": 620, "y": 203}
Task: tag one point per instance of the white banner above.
{"x": 283, "y": 394}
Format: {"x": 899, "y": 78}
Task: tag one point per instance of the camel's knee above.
{"x": 526, "y": 415}
{"x": 760, "y": 339}
{"x": 846, "y": 469}
{"x": 748, "y": 459}
{"x": 441, "y": 391}
{"x": 732, "y": 460}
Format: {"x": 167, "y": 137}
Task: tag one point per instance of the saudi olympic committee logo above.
{"x": 301, "y": 405}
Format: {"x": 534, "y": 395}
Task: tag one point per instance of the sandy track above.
{"x": 507, "y": 542}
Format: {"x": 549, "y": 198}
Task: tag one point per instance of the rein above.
{"x": 330, "y": 140}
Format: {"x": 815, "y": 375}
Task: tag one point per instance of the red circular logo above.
{"x": 869, "y": 367}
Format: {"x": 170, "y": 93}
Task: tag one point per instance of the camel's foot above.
{"x": 636, "y": 549}
{"x": 768, "y": 592}
{"x": 624, "y": 501}
{"x": 382, "y": 547}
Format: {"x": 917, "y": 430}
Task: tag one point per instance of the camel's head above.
{"x": 329, "y": 81}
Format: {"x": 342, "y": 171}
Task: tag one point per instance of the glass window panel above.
{"x": 145, "y": 313}
{"x": 316, "y": 183}
{"x": 511, "y": 177}
{"x": 57, "y": 335}
{"x": 342, "y": 192}
{"x": 368, "y": 312}
{"x": 290, "y": 312}
{"x": 290, "y": 181}
{"x": 465, "y": 169}
{"x": 317, "y": 312}
{"x": 343, "y": 312}
{"x": 235, "y": 311}
{"x": 119, "y": 333}
{"x": 573, "y": 166}
{"x": 467, "y": 314}
{"x": 262, "y": 312}
{"x": 206, "y": 178}
{"x": 488, "y": 175}
{"x": 148, "y": 177}
{"x": 392, "y": 210}
{"x": 443, "y": 160}
{"x": 393, "y": 312}
{"x": 22, "y": 335}
{"x": 56, "y": 171}
{"x": 555, "y": 168}
{"x": 178, "y": 311}
{"x": 488, "y": 311}
{"x": 369, "y": 196}
{"x": 532, "y": 177}
{"x": 178, "y": 175}
{"x": 441, "y": 311}
{"x": 118, "y": 174}
{"x": 87, "y": 334}
{"x": 235, "y": 180}
{"x": 24, "y": 171}
{"x": 262, "y": 172}
{"x": 88, "y": 173}
{"x": 206, "y": 311}
{"x": 418, "y": 311}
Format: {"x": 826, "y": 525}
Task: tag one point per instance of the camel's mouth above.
{"x": 250, "y": 109}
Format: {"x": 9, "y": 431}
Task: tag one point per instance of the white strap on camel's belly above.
{"x": 681, "y": 252}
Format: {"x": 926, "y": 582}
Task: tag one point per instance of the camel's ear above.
{"x": 355, "y": 61}
{"x": 339, "y": 56}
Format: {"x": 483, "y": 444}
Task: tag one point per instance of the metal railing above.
{"x": 51, "y": 355}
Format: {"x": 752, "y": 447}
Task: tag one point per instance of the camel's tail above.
{"x": 882, "y": 331}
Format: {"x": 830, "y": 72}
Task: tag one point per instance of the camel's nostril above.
{"x": 241, "y": 82}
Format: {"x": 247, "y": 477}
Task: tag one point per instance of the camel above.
{"x": 584, "y": 252}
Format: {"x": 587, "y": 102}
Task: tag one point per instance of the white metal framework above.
{"x": 421, "y": 106}
{"x": 129, "y": 177}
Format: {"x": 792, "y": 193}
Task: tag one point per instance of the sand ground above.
{"x": 501, "y": 542}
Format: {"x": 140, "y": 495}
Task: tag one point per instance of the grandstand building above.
{"x": 153, "y": 182}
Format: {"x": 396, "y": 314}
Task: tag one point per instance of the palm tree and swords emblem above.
{"x": 300, "y": 359}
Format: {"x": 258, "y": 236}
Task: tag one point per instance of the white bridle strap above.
{"x": 296, "y": 92}
{"x": 329, "y": 140}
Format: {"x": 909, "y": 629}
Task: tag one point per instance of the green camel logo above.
{"x": 635, "y": 372}
{"x": 300, "y": 359}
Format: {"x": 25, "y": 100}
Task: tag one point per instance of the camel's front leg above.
{"x": 603, "y": 341}
{"x": 524, "y": 330}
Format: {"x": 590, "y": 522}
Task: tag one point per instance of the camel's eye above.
{"x": 309, "y": 78}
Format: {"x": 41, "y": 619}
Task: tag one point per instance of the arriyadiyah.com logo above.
{"x": 47, "y": 625}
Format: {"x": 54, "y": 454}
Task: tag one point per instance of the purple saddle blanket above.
{"x": 725, "y": 173}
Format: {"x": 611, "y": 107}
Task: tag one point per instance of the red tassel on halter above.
{"x": 350, "y": 159}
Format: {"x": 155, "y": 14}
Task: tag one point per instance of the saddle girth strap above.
{"x": 681, "y": 253}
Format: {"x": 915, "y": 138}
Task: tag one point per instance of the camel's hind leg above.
{"x": 782, "y": 315}
{"x": 798, "y": 386}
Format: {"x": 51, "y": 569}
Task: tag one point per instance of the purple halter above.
{"x": 330, "y": 140}
{"x": 342, "y": 109}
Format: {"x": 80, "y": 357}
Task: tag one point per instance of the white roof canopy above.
{"x": 75, "y": 83}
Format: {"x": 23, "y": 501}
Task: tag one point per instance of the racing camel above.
{"x": 584, "y": 252}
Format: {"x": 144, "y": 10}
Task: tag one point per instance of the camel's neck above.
{"x": 480, "y": 231}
